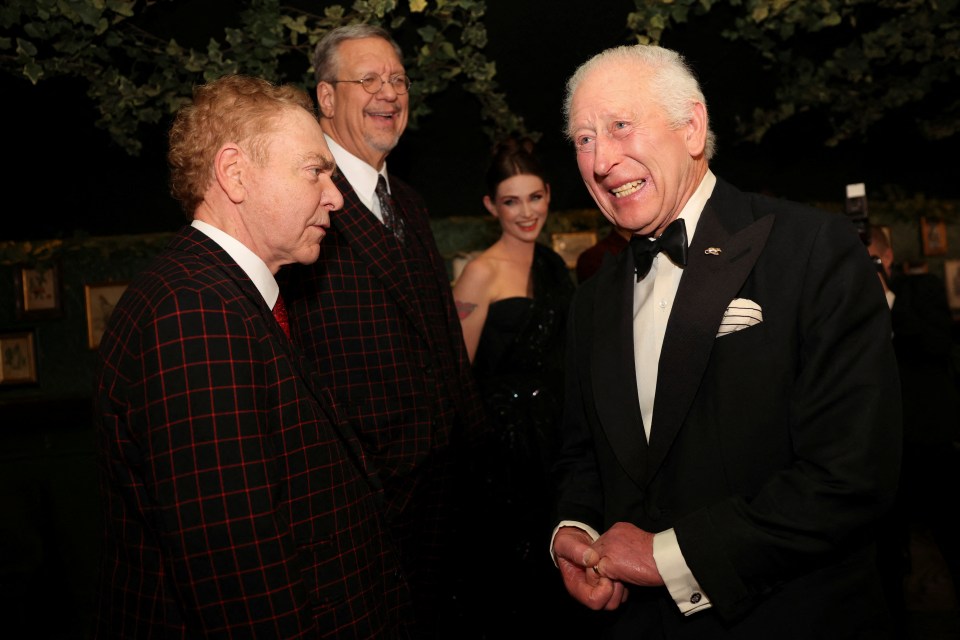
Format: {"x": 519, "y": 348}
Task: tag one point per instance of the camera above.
{"x": 857, "y": 210}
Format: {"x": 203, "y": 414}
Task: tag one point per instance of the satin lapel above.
{"x": 364, "y": 234}
{"x": 710, "y": 282}
{"x": 612, "y": 367}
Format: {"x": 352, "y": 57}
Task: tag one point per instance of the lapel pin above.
{"x": 713, "y": 251}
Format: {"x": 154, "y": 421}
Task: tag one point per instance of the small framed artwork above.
{"x": 951, "y": 278}
{"x": 18, "y": 358}
{"x": 100, "y": 300}
{"x": 38, "y": 292}
{"x": 933, "y": 236}
{"x": 570, "y": 245}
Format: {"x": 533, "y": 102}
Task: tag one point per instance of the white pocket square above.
{"x": 741, "y": 313}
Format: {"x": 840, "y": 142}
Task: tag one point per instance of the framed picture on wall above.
{"x": 951, "y": 278}
{"x": 100, "y": 300}
{"x": 570, "y": 245}
{"x": 18, "y": 358}
{"x": 933, "y": 236}
{"x": 37, "y": 292}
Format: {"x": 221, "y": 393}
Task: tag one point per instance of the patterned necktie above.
{"x": 387, "y": 210}
{"x": 673, "y": 242}
{"x": 280, "y": 313}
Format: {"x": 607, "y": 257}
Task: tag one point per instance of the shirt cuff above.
{"x": 571, "y": 523}
{"x": 677, "y": 577}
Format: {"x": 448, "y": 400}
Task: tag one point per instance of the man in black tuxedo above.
{"x": 732, "y": 415}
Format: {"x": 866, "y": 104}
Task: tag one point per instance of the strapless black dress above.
{"x": 519, "y": 369}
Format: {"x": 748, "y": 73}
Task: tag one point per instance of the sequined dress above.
{"x": 519, "y": 368}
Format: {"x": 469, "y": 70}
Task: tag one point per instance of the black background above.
{"x": 68, "y": 177}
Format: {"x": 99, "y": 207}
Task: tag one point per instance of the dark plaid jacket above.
{"x": 378, "y": 318}
{"x": 237, "y": 501}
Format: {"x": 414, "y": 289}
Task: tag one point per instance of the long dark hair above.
{"x": 513, "y": 157}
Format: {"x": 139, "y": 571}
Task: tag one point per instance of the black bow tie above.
{"x": 673, "y": 242}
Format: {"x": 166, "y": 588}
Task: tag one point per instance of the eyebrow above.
{"x": 517, "y": 195}
{"x": 326, "y": 162}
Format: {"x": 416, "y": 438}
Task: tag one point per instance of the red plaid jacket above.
{"x": 378, "y": 318}
{"x": 237, "y": 501}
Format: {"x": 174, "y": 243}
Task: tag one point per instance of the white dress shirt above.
{"x": 652, "y": 303}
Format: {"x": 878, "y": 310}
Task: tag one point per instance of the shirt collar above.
{"x": 694, "y": 207}
{"x": 361, "y": 176}
{"x": 255, "y": 268}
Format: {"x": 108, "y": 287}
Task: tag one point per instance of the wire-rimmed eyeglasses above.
{"x": 373, "y": 83}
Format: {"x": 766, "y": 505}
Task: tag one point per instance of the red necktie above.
{"x": 280, "y": 313}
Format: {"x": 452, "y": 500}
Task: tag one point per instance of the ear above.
{"x": 326, "y": 100}
{"x": 695, "y": 131}
{"x": 228, "y": 168}
{"x": 546, "y": 196}
{"x": 488, "y": 203}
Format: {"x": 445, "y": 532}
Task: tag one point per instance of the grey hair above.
{"x": 326, "y": 59}
{"x": 671, "y": 83}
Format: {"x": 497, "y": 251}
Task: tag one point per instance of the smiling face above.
{"x": 639, "y": 169}
{"x": 289, "y": 197}
{"x": 521, "y": 205}
{"x": 367, "y": 125}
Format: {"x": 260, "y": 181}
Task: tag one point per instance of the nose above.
{"x": 387, "y": 91}
{"x": 330, "y": 198}
{"x": 605, "y": 155}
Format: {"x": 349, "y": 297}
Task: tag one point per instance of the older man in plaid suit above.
{"x": 376, "y": 312}
{"x": 238, "y": 501}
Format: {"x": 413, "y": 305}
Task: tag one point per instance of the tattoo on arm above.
{"x": 464, "y": 309}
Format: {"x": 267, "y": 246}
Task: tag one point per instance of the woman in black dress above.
{"x": 512, "y": 300}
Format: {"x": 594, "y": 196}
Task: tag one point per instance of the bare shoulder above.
{"x": 482, "y": 268}
{"x": 478, "y": 279}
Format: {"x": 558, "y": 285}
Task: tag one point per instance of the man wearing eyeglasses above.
{"x": 376, "y": 313}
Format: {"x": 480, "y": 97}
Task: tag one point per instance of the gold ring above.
{"x": 596, "y": 569}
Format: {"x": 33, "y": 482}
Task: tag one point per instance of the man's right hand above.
{"x": 625, "y": 552}
{"x": 582, "y": 581}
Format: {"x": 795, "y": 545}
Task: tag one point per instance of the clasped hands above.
{"x": 596, "y": 573}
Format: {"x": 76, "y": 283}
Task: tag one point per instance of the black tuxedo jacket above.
{"x": 237, "y": 499}
{"x": 773, "y": 449}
